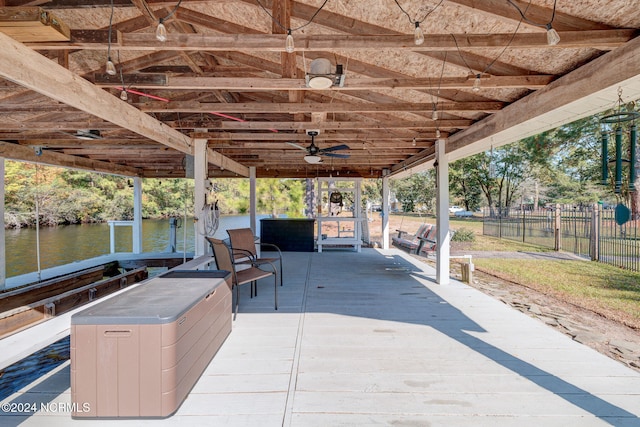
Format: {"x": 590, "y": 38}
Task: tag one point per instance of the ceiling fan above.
{"x": 314, "y": 152}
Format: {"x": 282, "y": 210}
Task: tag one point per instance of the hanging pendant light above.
{"x": 123, "y": 95}
{"x": 110, "y": 68}
{"x": 477, "y": 83}
{"x": 288, "y": 44}
{"x": 161, "y": 31}
{"x": 418, "y": 35}
{"x": 553, "y": 38}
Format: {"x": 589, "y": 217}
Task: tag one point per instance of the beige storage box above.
{"x": 140, "y": 353}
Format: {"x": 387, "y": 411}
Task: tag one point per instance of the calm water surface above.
{"x": 66, "y": 244}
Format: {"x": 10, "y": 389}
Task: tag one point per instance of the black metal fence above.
{"x": 586, "y": 231}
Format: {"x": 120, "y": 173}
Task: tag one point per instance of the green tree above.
{"x": 417, "y": 190}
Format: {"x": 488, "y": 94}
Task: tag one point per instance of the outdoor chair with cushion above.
{"x": 243, "y": 246}
{"x": 250, "y": 274}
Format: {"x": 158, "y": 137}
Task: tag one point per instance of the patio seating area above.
{"x": 370, "y": 339}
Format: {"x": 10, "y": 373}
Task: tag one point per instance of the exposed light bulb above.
{"x": 553, "y": 38}
{"x": 413, "y": 143}
{"x": 434, "y": 115}
{"x": 161, "y": 32}
{"x": 110, "y": 68}
{"x": 477, "y": 83}
{"x": 437, "y": 133}
{"x": 123, "y": 95}
{"x": 418, "y": 35}
{"x": 288, "y": 44}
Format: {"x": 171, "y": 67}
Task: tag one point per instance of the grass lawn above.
{"x": 602, "y": 288}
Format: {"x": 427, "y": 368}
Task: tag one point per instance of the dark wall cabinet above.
{"x": 294, "y": 235}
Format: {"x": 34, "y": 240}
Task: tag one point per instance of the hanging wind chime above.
{"x": 620, "y": 123}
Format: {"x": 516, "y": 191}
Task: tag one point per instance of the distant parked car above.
{"x": 463, "y": 213}
{"x": 453, "y": 209}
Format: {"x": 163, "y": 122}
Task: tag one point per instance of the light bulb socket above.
{"x": 161, "y": 32}
{"x": 288, "y": 44}
{"x": 418, "y": 35}
{"x": 110, "y": 67}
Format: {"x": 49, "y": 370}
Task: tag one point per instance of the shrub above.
{"x": 464, "y": 235}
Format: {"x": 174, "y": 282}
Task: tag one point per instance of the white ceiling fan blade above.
{"x": 296, "y": 145}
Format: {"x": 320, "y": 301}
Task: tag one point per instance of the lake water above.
{"x": 66, "y": 244}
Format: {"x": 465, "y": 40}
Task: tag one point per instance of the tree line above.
{"x": 562, "y": 166}
{"x": 64, "y": 196}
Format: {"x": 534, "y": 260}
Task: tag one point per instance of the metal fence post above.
{"x": 594, "y": 247}
{"x": 557, "y": 229}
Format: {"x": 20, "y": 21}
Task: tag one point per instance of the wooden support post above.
{"x": 442, "y": 214}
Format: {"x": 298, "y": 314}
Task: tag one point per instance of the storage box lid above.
{"x": 161, "y": 300}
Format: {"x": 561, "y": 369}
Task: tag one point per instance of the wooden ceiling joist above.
{"x": 255, "y": 84}
{"x": 87, "y": 39}
{"x": 292, "y": 108}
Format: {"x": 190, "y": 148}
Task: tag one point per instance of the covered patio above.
{"x": 370, "y": 339}
{"x": 225, "y": 92}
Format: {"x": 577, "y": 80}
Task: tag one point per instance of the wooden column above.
{"x": 442, "y": 214}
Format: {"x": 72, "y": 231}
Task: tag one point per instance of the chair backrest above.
{"x": 427, "y": 231}
{"x": 243, "y": 243}
{"x": 421, "y": 230}
{"x": 430, "y": 234}
{"x": 222, "y": 256}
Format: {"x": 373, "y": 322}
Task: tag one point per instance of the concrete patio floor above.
{"x": 370, "y": 339}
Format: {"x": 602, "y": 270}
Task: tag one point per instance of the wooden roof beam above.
{"x": 28, "y": 154}
{"x": 331, "y": 125}
{"x": 31, "y": 70}
{"x": 307, "y": 107}
{"x": 84, "y": 39}
{"x": 151, "y": 81}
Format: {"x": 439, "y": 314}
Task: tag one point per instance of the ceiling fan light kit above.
{"x": 313, "y": 159}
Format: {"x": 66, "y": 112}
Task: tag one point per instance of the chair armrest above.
{"x": 272, "y": 246}
{"x": 401, "y": 233}
{"x": 243, "y": 253}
